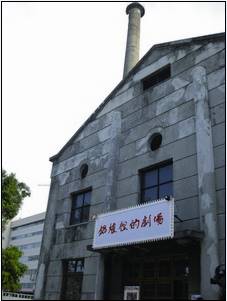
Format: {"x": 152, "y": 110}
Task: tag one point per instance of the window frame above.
{"x": 157, "y": 167}
{"x": 74, "y": 195}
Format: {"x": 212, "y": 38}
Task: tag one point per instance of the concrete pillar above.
{"x": 135, "y": 12}
{"x": 99, "y": 285}
{"x": 47, "y": 242}
{"x": 111, "y": 178}
{"x": 206, "y": 184}
{"x": 111, "y": 187}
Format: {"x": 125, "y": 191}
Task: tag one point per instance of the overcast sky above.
{"x": 61, "y": 60}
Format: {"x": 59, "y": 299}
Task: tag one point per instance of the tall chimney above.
{"x": 135, "y": 11}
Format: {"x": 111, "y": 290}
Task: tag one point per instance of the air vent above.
{"x": 156, "y": 77}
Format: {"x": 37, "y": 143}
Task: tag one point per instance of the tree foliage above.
{"x": 12, "y": 269}
{"x": 13, "y": 192}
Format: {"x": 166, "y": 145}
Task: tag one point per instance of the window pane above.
{"x": 76, "y": 216}
{"x": 87, "y": 198}
{"x": 150, "y": 178}
{"x": 85, "y": 214}
{"x": 80, "y": 266}
{"x": 71, "y": 266}
{"x": 78, "y": 201}
{"x": 165, "y": 189}
{"x": 150, "y": 194}
{"x": 165, "y": 174}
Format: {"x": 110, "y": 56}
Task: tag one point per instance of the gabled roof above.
{"x": 176, "y": 43}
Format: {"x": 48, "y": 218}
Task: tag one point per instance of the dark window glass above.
{"x": 78, "y": 201}
{"x": 87, "y": 198}
{"x": 165, "y": 189}
{"x": 155, "y": 141}
{"x": 76, "y": 216}
{"x": 165, "y": 174}
{"x": 80, "y": 207}
{"x": 150, "y": 194}
{"x": 85, "y": 215}
{"x": 83, "y": 170}
{"x": 151, "y": 178}
{"x": 157, "y": 183}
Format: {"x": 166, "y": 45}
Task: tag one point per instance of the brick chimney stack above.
{"x": 135, "y": 11}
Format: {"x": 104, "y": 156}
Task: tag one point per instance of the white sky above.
{"x": 61, "y": 60}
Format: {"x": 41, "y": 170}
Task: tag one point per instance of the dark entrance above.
{"x": 158, "y": 277}
{"x": 165, "y": 270}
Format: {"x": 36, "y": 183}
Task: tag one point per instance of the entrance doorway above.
{"x": 165, "y": 270}
{"x": 158, "y": 277}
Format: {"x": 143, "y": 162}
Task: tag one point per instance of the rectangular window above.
{"x": 30, "y": 246}
{"x": 34, "y": 257}
{"x": 27, "y": 235}
{"x": 72, "y": 280}
{"x": 28, "y": 225}
{"x": 156, "y": 77}
{"x": 80, "y": 207}
{"x": 157, "y": 182}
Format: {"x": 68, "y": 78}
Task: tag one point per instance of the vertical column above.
{"x": 47, "y": 242}
{"x": 99, "y": 285}
{"x": 111, "y": 187}
{"x": 135, "y": 12}
{"x": 206, "y": 183}
{"x": 111, "y": 179}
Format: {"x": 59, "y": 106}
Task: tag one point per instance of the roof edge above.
{"x": 180, "y": 42}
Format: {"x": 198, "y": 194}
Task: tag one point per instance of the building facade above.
{"x": 26, "y": 234}
{"x": 159, "y": 134}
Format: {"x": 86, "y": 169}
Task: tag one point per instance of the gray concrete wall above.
{"x": 123, "y": 128}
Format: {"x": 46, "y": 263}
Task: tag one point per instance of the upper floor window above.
{"x": 156, "y": 77}
{"x": 157, "y": 182}
{"x": 80, "y": 207}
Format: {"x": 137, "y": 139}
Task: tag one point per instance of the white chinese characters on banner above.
{"x": 146, "y": 222}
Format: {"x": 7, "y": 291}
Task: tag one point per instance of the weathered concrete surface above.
{"x": 47, "y": 243}
{"x": 206, "y": 185}
{"x": 115, "y": 146}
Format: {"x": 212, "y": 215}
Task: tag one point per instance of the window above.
{"x": 157, "y": 182}
{"x": 72, "y": 280}
{"x": 83, "y": 171}
{"x": 30, "y": 246}
{"x": 32, "y": 274}
{"x": 27, "y": 285}
{"x": 34, "y": 257}
{"x": 155, "y": 141}
{"x": 27, "y": 235}
{"x": 28, "y": 225}
{"x": 80, "y": 207}
{"x": 156, "y": 77}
